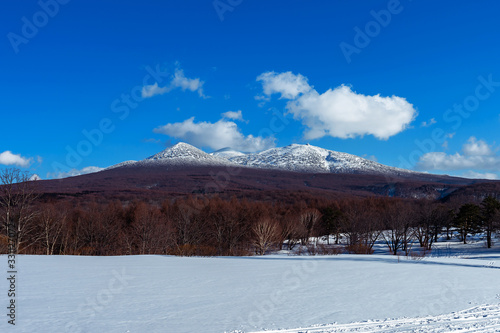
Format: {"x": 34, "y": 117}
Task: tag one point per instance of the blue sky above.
{"x": 88, "y": 84}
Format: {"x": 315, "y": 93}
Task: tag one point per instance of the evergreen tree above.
{"x": 468, "y": 220}
{"x": 490, "y": 209}
{"x": 330, "y": 222}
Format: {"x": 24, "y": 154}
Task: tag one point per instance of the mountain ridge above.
{"x": 286, "y": 173}
{"x": 303, "y": 158}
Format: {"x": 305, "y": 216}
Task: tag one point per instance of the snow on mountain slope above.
{"x": 184, "y": 154}
{"x": 121, "y": 164}
{"x": 295, "y": 157}
{"x": 307, "y": 158}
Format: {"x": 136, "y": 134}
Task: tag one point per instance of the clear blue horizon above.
{"x": 411, "y": 84}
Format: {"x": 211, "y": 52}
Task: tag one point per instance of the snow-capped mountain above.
{"x": 307, "y": 158}
{"x": 295, "y": 157}
{"x": 183, "y": 169}
{"x": 120, "y": 164}
{"x": 184, "y": 154}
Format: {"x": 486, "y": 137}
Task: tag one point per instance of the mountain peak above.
{"x": 180, "y": 149}
{"x": 183, "y": 145}
{"x": 185, "y": 154}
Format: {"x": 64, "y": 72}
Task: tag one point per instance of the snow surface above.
{"x": 184, "y": 154}
{"x": 245, "y": 294}
{"x": 125, "y": 163}
{"x": 475, "y": 319}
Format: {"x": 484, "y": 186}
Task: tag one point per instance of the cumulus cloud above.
{"x": 220, "y": 134}
{"x": 339, "y": 112}
{"x": 178, "y": 80}
{"x": 474, "y": 147}
{"x": 8, "y": 158}
{"x": 457, "y": 161}
{"x": 476, "y": 154}
{"x": 75, "y": 172}
{"x": 234, "y": 115}
{"x": 287, "y": 84}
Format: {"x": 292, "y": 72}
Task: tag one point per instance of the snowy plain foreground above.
{"x": 248, "y": 294}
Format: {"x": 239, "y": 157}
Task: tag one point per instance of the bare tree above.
{"x": 361, "y": 225}
{"x": 308, "y": 219}
{"x": 431, "y": 218}
{"x": 17, "y": 195}
{"x": 265, "y": 232}
{"x": 150, "y": 229}
{"x": 227, "y": 224}
{"x": 288, "y": 230}
{"x": 51, "y": 223}
{"x": 399, "y": 218}
{"x": 185, "y": 216}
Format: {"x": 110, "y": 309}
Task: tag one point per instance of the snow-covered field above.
{"x": 344, "y": 293}
{"x": 476, "y": 319}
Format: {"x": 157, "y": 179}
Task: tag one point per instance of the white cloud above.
{"x": 152, "y": 90}
{"x": 428, "y": 123}
{"x": 476, "y": 154}
{"x": 345, "y": 114}
{"x": 217, "y": 135}
{"x": 181, "y": 81}
{"x": 478, "y": 175}
{"x": 35, "y": 177}
{"x": 234, "y": 115}
{"x": 8, "y": 158}
{"x": 178, "y": 80}
{"x": 287, "y": 84}
{"x": 339, "y": 112}
{"x": 445, "y": 143}
{"x": 370, "y": 157}
{"x": 473, "y": 147}
{"x": 457, "y": 161}
{"x": 262, "y": 100}
{"x": 75, "y": 172}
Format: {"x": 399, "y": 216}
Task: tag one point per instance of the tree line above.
{"x": 209, "y": 226}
